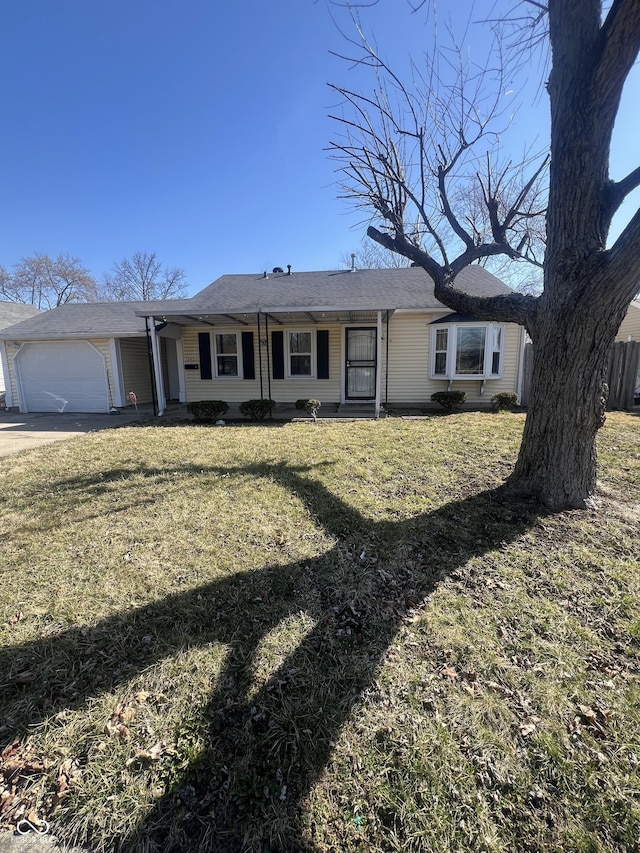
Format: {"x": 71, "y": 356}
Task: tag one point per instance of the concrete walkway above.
{"x": 32, "y": 843}
{"x": 23, "y": 432}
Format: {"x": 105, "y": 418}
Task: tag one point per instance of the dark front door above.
{"x": 360, "y": 372}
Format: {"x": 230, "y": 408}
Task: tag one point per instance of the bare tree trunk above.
{"x": 567, "y": 405}
{"x": 588, "y": 286}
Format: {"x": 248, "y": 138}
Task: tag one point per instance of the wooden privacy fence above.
{"x": 623, "y": 376}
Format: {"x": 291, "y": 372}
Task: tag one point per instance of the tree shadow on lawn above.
{"x": 266, "y": 748}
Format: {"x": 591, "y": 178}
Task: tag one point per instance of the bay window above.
{"x": 466, "y": 350}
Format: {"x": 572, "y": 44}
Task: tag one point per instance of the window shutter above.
{"x": 248, "y": 362}
{"x": 277, "y": 354}
{"x": 204, "y": 345}
{"x": 322, "y": 351}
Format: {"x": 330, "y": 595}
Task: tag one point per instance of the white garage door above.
{"x": 62, "y": 377}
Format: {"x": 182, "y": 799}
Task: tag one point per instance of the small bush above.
{"x": 506, "y": 400}
{"x": 449, "y": 400}
{"x": 207, "y": 411}
{"x": 310, "y": 407}
{"x": 255, "y": 410}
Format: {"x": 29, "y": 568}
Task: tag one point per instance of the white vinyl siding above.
{"x": 630, "y": 327}
{"x": 286, "y": 390}
{"x": 409, "y": 382}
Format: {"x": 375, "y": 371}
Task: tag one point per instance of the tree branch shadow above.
{"x": 267, "y": 746}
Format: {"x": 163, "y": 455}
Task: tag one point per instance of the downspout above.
{"x": 157, "y": 363}
{"x": 260, "y": 360}
{"x": 151, "y": 370}
{"x": 520, "y": 365}
{"x": 378, "y": 363}
{"x": 386, "y": 372}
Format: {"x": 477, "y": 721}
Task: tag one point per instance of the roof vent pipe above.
{"x": 288, "y": 269}
{"x": 264, "y": 274}
{"x": 353, "y": 261}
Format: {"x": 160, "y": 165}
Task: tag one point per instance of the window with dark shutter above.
{"x": 277, "y": 354}
{"x": 204, "y": 347}
{"x": 248, "y": 362}
{"x": 322, "y": 353}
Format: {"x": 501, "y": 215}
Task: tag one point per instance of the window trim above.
{"x": 237, "y": 354}
{"x": 490, "y": 330}
{"x": 312, "y": 354}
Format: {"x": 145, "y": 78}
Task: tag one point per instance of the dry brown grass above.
{"x": 322, "y": 638}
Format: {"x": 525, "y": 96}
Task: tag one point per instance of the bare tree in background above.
{"x": 5, "y": 282}
{"x": 372, "y": 256}
{"x": 48, "y": 282}
{"x": 408, "y": 154}
{"x": 142, "y": 277}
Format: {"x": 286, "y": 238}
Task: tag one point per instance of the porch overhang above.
{"x": 158, "y": 321}
{"x": 297, "y": 316}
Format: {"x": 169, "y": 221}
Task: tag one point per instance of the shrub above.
{"x": 309, "y": 406}
{"x": 449, "y": 400}
{"x": 506, "y": 400}
{"x": 207, "y": 411}
{"x": 255, "y": 410}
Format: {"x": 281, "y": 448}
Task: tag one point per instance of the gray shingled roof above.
{"x": 371, "y": 290}
{"x": 81, "y": 320}
{"x": 342, "y": 290}
{"x": 14, "y": 312}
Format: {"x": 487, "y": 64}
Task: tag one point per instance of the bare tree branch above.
{"x": 49, "y": 282}
{"x": 142, "y": 277}
{"x": 618, "y": 191}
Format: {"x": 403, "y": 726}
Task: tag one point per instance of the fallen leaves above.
{"x": 25, "y": 677}
{"x": 594, "y": 719}
{"x": 529, "y": 725}
{"x": 449, "y": 672}
{"x": 118, "y": 726}
{"x": 20, "y": 768}
{"x": 154, "y": 753}
{"x": 123, "y": 714}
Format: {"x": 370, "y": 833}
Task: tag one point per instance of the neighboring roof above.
{"x": 80, "y": 320}
{"x": 14, "y": 312}
{"x": 369, "y": 290}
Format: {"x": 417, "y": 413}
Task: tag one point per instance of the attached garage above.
{"x": 64, "y": 376}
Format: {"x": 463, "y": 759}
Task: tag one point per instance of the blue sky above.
{"x": 191, "y": 128}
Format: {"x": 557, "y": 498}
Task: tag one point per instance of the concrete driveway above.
{"x": 22, "y": 432}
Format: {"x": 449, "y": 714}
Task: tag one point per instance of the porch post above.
{"x": 260, "y": 358}
{"x": 8, "y": 397}
{"x": 378, "y": 363}
{"x": 157, "y": 368}
{"x": 266, "y": 332}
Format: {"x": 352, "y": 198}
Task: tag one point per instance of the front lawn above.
{"x": 330, "y": 637}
